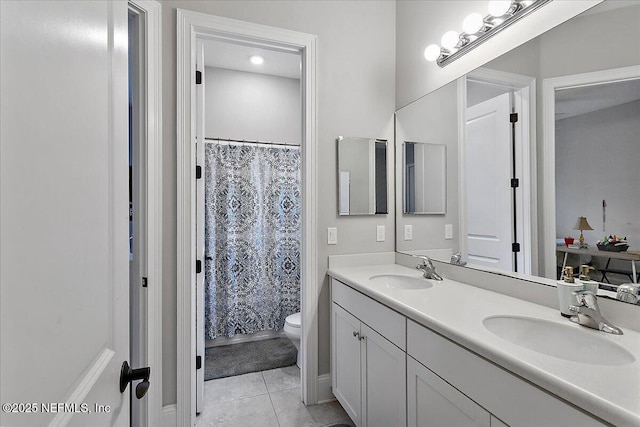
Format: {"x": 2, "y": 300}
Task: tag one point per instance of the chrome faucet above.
{"x": 456, "y": 259}
{"x": 427, "y": 267}
{"x": 588, "y": 313}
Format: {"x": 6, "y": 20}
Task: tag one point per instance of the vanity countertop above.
{"x": 456, "y": 311}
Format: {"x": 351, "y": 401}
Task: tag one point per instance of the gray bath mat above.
{"x": 253, "y": 356}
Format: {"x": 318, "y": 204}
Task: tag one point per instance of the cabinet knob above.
{"x": 356, "y": 334}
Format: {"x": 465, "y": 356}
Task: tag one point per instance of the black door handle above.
{"x": 128, "y": 375}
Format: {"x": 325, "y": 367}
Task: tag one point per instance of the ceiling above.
{"x": 586, "y": 99}
{"x": 233, "y": 56}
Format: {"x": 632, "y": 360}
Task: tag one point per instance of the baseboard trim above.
{"x": 169, "y": 416}
{"x": 324, "y": 389}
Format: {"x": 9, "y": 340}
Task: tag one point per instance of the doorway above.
{"x": 192, "y": 28}
{"x": 145, "y": 201}
{"x": 248, "y": 203}
{"x": 498, "y": 209}
{"x": 606, "y": 211}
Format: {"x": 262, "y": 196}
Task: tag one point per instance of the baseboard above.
{"x": 324, "y": 389}
{"x": 169, "y": 416}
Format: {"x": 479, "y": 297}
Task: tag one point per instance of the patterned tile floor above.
{"x": 265, "y": 399}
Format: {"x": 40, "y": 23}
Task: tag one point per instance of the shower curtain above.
{"x": 252, "y": 238}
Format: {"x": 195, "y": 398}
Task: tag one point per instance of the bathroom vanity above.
{"x": 417, "y": 352}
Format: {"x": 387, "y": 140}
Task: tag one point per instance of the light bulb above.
{"x": 257, "y": 60}
{"x": 472, "y": 23}
{"x": 499, "y": 7}
{"x": 432, "y": 52}
{"x": 449, "y": 40}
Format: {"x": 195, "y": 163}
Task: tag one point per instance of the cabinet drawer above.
{"x": 513, "y": 400}
{"x": 386, "y": 322}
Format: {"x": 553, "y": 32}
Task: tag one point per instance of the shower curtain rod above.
{"x": 244, "y": 141}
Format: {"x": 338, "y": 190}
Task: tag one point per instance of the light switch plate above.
{"x": 332, "y": 236}
{"x": 448, "y": 231}
{"x": 408, "y": 232}
{"x": 380, "y": 233}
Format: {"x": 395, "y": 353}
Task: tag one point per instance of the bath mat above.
{"x": 253, "y": 356}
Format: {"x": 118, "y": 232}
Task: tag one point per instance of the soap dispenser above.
{"x": 566, "y": 289}
{"x": 587, "y": 283}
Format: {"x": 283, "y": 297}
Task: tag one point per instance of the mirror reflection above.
{"x": 542, "y": 136}
{"x": 362, "y": 176}
{"x": 425, "y": 178}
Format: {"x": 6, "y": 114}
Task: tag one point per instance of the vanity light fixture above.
{"x": 502, "y": 13}
{"x": 256, "y": 59}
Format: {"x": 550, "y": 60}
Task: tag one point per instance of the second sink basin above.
{"x": 558, "y": 340}
{"x": 398, "y": 281}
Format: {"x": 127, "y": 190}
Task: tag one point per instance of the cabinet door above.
{"x": 497, "y": 423}
{"x": 383, "y": 381}
{"x": 345, "y": 362}
{"x": 431, "y": 401}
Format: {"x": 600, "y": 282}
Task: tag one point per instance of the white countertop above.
{"x": 456, "y": 311}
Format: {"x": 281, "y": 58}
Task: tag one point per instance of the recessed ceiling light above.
{"x": 257, "y": 60}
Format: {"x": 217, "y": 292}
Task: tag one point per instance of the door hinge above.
{"x": 515, "y": 247}
{"x": 513, "y": 117}
{"x": 144, "y": 282}
{"x": 198, "y": 362}
{"x": 198, "y": 77}
{"x": 515, "y": 183}
{"x": 198, "y": 267}
{"x": 198, "y": 172}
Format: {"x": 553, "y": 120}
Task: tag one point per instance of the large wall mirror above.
{"x": 536, "y": 139}
{"x": 362, "y": 176}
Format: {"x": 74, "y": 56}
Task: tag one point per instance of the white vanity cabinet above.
{"x": 390, "y": 371}
{"x": 368, "y": 358}
{"x": 432, "y": 402}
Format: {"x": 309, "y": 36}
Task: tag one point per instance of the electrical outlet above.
{"x": 332, "y": 236}
{"x": 380, "y": 233}
{"x": 408, "y": 232}
{"x": 448, "y": 231}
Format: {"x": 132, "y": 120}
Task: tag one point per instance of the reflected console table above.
{"x": 629, "y": 256}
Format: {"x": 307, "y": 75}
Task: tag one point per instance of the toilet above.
{"x": 293, "y": 331}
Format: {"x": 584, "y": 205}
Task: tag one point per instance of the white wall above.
{"x": 251, "y": 106}
{"x": 597, "y": 158}
{"x": 356, "y": 81}
{"x": 421, "y": 23}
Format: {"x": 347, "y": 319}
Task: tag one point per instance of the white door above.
{"x": 200, "y": 255}
{"x": 432, "y": 402}
{"x": 384, "y": 381}
{"x": 64, "y": 305}
{"x": 488, "y": 167}
{"x": 345, "y": 362}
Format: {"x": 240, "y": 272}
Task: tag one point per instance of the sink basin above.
{"x": 398, "y": 281}
{"x": 558, "y": 340}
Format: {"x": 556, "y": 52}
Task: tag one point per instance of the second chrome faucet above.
{"x": 427, "y": 268}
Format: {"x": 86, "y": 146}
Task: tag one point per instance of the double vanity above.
{"x": 412, "y": 351}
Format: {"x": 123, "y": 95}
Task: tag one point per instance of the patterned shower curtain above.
{"x": 252, "y": 238}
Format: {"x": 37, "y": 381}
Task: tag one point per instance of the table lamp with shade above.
{"x": 581, "y": 225}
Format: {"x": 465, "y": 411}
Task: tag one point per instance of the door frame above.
{"x": 190, "y": 26}
{"x": 549, "y": 87}
{"x": 525, "y": 105}
{"x": 149, "y": 315}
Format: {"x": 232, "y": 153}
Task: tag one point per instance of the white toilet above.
{"x": 292, "y": 331}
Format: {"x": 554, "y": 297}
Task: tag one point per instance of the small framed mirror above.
{"x": 424, "y": 178}
{"x": 362, "y": 176}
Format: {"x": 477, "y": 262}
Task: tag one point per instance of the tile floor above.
{"x": 265, "y": 399}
